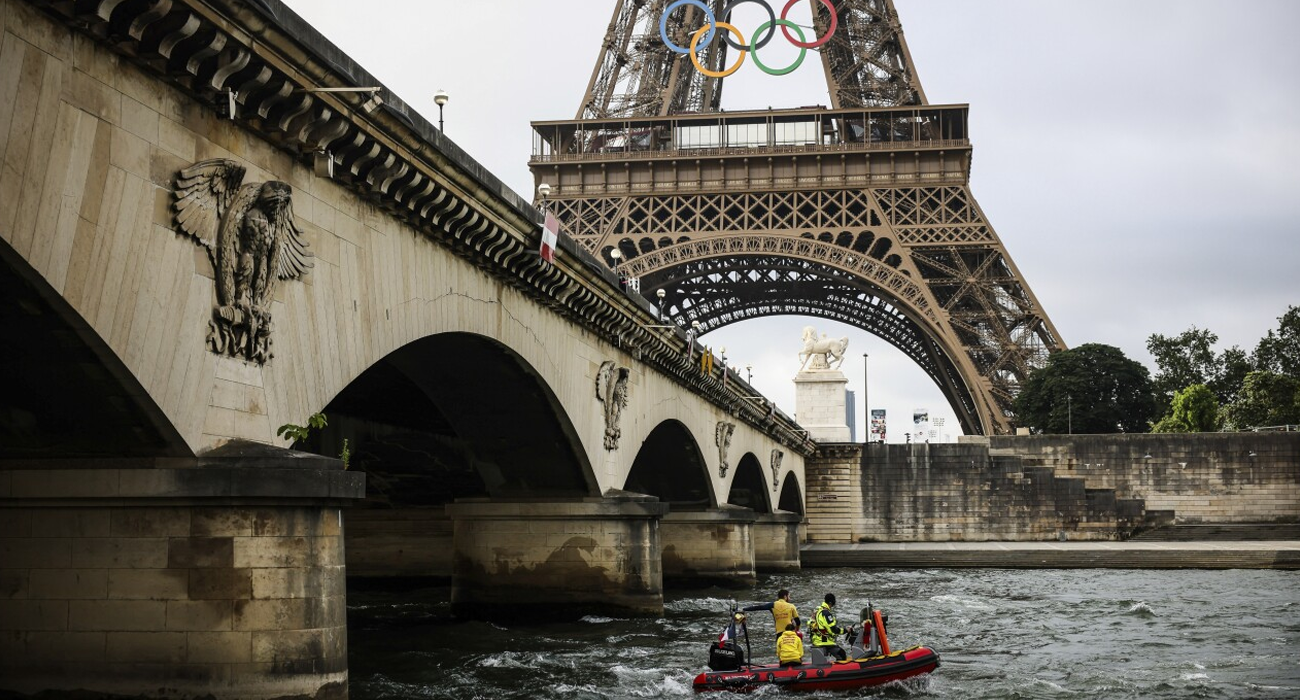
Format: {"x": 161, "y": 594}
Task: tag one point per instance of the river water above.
{"x": 1001, "y": 634}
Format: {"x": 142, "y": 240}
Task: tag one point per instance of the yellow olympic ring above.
{"x": 695, "y": 58}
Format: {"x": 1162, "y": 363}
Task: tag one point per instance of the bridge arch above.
{"x": 66, "y": 394}
{"x": 427, "y": 431}
{"x": 717, "y": 282}
{"x": 791, "y": 495}
{"x": 669, "y": 466}
{"x": 749, "y": 486}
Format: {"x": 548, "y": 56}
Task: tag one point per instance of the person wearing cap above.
{"x": 825, "y": 628}
{"x": 783, "y": 611}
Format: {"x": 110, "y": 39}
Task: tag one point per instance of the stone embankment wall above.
{"x": 1201, "y": 478}
{"x": 1048, "y": 487}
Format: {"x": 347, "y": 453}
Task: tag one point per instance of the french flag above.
{"x": 550, "y": 237}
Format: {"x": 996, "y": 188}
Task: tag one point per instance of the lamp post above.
{"x": 661, "y": 294}
{"x": 543, "y": 191}
{"x": 1069, "y": 414}
{"x": 440, "y": 98}
{"x": 749, "y": 374}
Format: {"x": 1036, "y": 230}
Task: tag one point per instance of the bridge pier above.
{"x": 397, "y": 542}
{"x": 776, "y": 542}
{"x": 194, "y": 578}
{"x": 711, "y": 547}
{"x": 560, "y": 558}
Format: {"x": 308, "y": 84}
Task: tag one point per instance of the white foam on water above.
{"x": 597, "y": 619}
{"x": 963, "y": 602}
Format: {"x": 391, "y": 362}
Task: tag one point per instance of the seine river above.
{"x": 1002, "y": 634}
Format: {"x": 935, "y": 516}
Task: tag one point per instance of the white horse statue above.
{"x": 829, "y": 349}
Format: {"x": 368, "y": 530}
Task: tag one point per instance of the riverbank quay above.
{"x": 1056, "y": 555}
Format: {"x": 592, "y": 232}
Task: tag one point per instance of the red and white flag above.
{"x": 550, "y": 237}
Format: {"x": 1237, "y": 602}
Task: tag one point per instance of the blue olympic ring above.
{"x": 663, "y": 24}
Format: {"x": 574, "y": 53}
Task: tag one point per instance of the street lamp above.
{"x": 615, "y": 254}
{"x": 543, "y": 191}
{"x": 440, "y": 98}
{"x": 749, "y": 374}
{"x": 1069, "y": 414}
{"x": 661, "y": 294}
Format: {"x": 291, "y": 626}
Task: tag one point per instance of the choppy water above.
{"x": 1002, "y": 634}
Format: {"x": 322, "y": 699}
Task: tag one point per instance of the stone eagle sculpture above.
{"x": 611, "y": 390}
{"x": 252, "y": 241}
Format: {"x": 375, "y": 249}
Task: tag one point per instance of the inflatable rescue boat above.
{"x": 868, "y": 665}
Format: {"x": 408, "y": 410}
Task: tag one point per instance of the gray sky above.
{"x": 1139, "y": 159}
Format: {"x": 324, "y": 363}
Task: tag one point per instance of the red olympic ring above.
{"x": 835, "y": 22}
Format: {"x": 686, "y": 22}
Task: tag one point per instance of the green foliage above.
{"x": 1280, "y": 352}
{"x": 345, "y": 454}
{"x": 1266, "y": 399}
{"x": 297, "y": 433}
{"x": 1182, "y": 360}
{"x": 1093, "y": 388}
{"x": 1194, "y": 410}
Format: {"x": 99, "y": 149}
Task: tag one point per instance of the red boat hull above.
{"x": 833, "y": 676}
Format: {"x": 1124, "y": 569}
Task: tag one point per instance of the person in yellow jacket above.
{"x": 825, "y": 628}
{"x": 783, "y": 611}
{"x": 789, "y": 646}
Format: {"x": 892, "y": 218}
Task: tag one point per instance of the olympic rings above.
{"x": 695, "y": 57}
{"x": 706, "y": 34}
{"x": 802, "y": 51}
{"x": 663, "y": 23}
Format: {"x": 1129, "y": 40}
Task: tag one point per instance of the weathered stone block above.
{"x": 146, "y": 647}
{"x": 220, "y": 647}
{"x": 33, "y": 614}
{"x": 69, "y": 583}
{"x": 147, "y": 584}
{"x": 66, "y": 646}
{"x": 24, "y": 552}
{"x": 200, "y": 552}
{"x": 221, "y": 584}
{"x": 120, "y": 553}
{"x": 150, "y": 522}
{"x": 199, "y": 615}
{"x": 116, "y": 615}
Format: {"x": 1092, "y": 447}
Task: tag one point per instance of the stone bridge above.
{"x": 197, "y": 246}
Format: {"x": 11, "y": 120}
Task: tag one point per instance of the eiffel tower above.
{"x": 860, "y": 213}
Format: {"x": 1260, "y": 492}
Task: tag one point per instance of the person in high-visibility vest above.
{"x": 783, "y": 611}
{"x": 825, "y": 628}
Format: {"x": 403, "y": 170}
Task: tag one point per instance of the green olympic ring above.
{"x": 788, "y": 69}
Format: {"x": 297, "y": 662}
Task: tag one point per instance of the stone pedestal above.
{"x": 776, "y": 542}
{"x": 221, "y": 579}
{"x": 388, "y": 542}
{"x": 712, "y": 547}
{"x": 819, "y": 404}
{"x": 557, "y": 559}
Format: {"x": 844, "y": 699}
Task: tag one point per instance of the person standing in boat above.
{"x": 789, "y": 646}
{"x": 783, "y": 611}
{"x": 825, "y": 628}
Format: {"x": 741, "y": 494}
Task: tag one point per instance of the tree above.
{"x": 1235, "y": 364}
{"x": 1280, "y": 352}
{"x": 1093, "y": 388}
{"x": 1266, "y": 399}
{"x": 1194, "y": 410}
{"x": 1182, "y": 360}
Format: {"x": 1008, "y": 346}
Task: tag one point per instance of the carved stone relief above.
{"x": 722, "y": 437}
{"x": 777, "y": 456}
{"x": 611, "y": 390}
{"x": 252, "y": 241}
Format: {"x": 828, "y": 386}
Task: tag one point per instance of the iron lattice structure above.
{"x": 861, "y": 213}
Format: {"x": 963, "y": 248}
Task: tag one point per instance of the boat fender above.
{"x": 879, "y": 623}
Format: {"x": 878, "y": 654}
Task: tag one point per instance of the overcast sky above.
{"x": 1140, "y": 160}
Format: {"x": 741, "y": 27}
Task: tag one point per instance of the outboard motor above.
{"x": 727, "y": 656}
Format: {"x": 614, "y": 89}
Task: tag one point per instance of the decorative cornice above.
{"x": 392, "y": 157}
